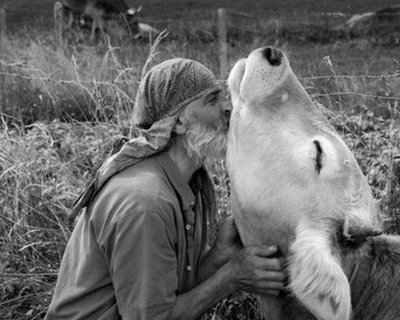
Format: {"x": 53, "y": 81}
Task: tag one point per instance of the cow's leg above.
{"x": 316, "y": 276}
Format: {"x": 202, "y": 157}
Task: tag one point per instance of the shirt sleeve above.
{"x": 140, "y": 251}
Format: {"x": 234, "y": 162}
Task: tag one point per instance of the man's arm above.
{"x": 225, "y": 247}
{"x": 142, "y": 259}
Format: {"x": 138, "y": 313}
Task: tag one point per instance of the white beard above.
{"x": 202, "y": 141}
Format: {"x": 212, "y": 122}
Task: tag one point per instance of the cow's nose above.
{"x": 273, "y": 56}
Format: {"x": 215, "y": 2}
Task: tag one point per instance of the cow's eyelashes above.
{"x": 318, "y": 156}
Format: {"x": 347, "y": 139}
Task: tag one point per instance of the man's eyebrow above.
{"x": 214, "y": 92}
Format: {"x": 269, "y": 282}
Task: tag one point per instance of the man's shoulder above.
{"x": 140, "y": 176}
{"x": 140, "y": 187}
{"x": 142, "y": 190}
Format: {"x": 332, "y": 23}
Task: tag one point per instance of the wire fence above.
{"x": 242, "y": 18}
{"x": 272, "y": 26}
{"x": 246, "y": 25}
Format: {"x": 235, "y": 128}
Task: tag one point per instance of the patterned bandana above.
{"x": 162, "y": 94}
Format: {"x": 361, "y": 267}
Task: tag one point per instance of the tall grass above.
{"x": 60, "y": 107}
{"x": 43, "y": 166}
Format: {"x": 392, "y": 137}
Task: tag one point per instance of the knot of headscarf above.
{"x": 162, "y": 94}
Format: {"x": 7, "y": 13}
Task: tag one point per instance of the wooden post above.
{"x": 223, "y": 46}
{"x": 59, "y": 22}
{"x": 2, "y": 24}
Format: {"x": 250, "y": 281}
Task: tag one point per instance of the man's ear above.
{"x": 180, "y": 126}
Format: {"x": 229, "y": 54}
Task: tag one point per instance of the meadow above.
{"x": 61, "y": 106}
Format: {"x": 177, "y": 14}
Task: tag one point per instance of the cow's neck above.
{"x": 374, "y": 275}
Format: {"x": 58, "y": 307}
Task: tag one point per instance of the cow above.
{"x": 295, "y": 183}
{"x": 147, "y": 31}
{"x": 99, "y": 14}
{"x": 380, "y": 22}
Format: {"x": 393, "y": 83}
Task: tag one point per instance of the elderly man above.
{"x": 139, "y": 249}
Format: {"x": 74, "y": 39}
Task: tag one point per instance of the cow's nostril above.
{"x": 273, "y": 56}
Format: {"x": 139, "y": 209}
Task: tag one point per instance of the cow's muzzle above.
{"x": 273, "y": 55}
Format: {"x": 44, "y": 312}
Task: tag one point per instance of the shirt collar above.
{"x": 174, "y": 175}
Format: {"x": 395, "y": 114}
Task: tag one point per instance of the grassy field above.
{"x": 59, "y": 107}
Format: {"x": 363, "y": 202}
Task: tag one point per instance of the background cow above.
{"x": 100, "y": 14}
{"x": 147, "y": 31}
{"x": 295, "y": 183}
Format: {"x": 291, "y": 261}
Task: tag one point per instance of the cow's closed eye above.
{"x": 318, "y": 156}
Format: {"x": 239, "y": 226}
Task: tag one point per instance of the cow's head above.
{"x": 132, "y": 18}
{"x": 283, "y": 156}
{"x": 294, "y": 180}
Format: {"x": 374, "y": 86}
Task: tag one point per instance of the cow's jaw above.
{"x": 256, "y": 87}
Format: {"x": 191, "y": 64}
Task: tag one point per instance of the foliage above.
{"x": 59, "y": 107}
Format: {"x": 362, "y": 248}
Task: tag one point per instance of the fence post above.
{"x": 2, "y": 24}
{"x": 223, "y": 46}
{"x": 59, "y": 22}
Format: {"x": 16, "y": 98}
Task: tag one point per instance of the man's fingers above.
{"x": 269, "y": 291}
{"x": 271, "y": 264}
{"x": 276, "y": 276}
{"x": 274, "y": 292}
{"x": 264, "y": 251}
{"x": 265, "y": 285}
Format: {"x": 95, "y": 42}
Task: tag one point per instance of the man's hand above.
{"x": 256, "y": 270}
{"x": 229, "y": 267}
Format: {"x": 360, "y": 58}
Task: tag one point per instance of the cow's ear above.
{"x": 358, "y": 230}
{"x": 316, "y": 276}
{"x": 139, "y": 9}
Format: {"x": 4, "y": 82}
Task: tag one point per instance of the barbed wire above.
{"x": 25, "y": 275}
{"x": 28, "y": 11}
{"x": 347, "y": 93}
{"x": 347, "y": 77}
{"x": 113, "y": 83}
{"x": 312, "y": 78}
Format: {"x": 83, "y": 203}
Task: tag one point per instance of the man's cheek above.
{"x": 207, "y": 120}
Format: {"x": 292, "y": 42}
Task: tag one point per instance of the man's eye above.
{"x": 215, "y": 98}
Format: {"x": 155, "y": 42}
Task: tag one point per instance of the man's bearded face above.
{"x": 203, "y": 141}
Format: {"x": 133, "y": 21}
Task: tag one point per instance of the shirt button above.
{"x": 189, "y": 268}
{"x": 188, "y": 227}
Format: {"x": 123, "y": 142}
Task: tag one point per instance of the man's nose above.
{"x": 227, "y": 110}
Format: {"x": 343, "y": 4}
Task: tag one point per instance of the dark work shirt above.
{"x": 136, "y": 247}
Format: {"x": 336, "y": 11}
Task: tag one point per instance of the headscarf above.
{"x": 162, "y": 94}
